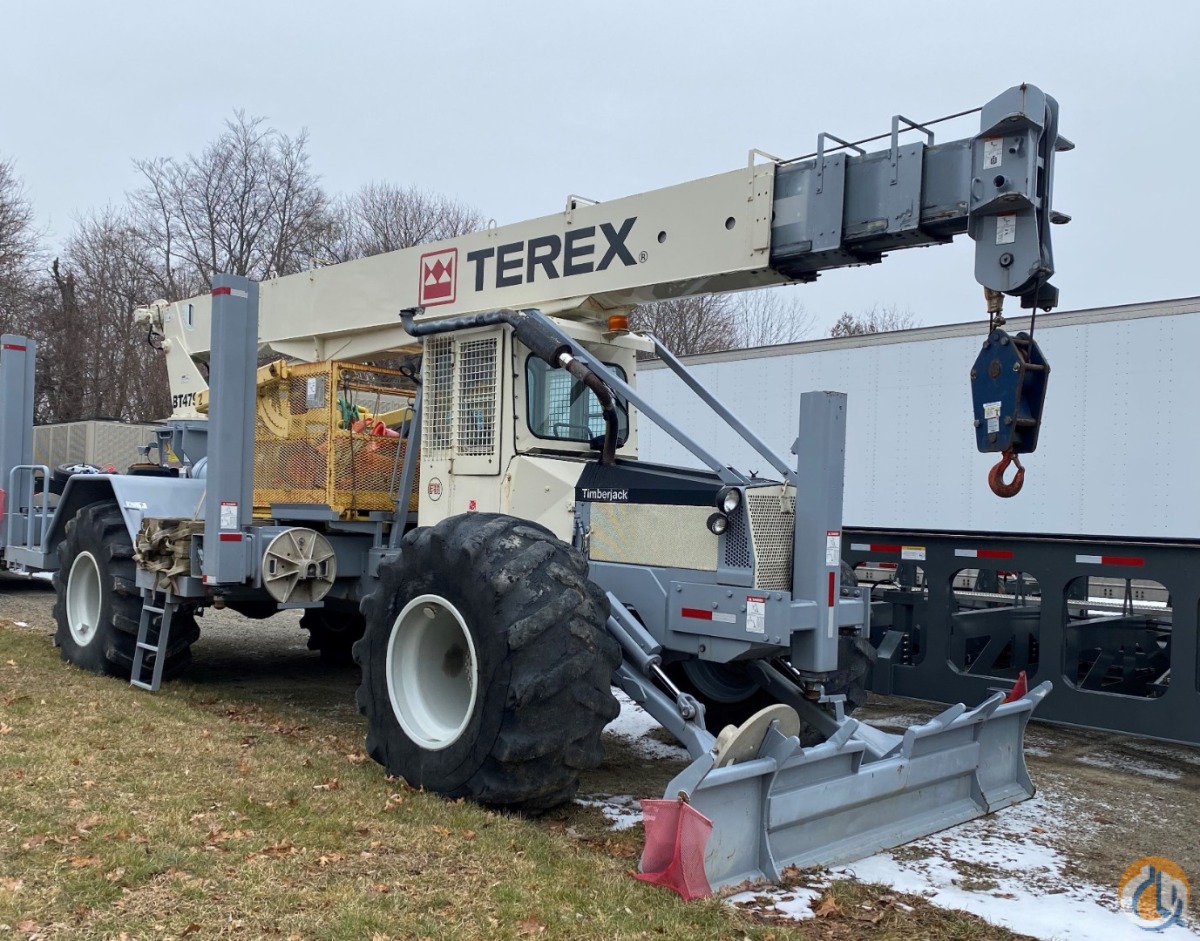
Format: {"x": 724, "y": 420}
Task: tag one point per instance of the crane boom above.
{"x": 767, "y": 223}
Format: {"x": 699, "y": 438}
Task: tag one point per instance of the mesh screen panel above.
{"x": 475, "y": 429}
{"x": 737, "y": 540}
{"x": 324, "y": 433}
{"x": 438, "y": 405}
{"x": 773, "y": 531}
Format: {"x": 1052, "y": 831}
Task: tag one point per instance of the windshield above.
{"x": 561, "y": 408}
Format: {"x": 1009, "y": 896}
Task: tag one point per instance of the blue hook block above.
{"x": 1008, "y": 389}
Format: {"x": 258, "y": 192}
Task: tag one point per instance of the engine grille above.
{"x": 772, "y": 526}
{"x": 737, "y": 541}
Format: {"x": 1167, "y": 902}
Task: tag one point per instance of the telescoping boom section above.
{"x": 473, "y": 525}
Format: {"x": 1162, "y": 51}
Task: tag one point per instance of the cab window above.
{"x": 561, "y": 408}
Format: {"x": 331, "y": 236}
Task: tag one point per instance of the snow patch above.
{"x": 634, "y": 723}
{"x": 1004, "y": 869}
{"x": 795, "y": 903}
{"x": 1130, "y": 765}
{"x": 623, "y": 811}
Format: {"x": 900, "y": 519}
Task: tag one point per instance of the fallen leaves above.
{"x": 87, "y": 823}
{"x": 329, "y": 784}
{"x": 278, "y": 850}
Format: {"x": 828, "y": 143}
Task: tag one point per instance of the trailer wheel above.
{"x": 98, "y": 608}
{"x": 333, "y": 633}
{"x": 730, "y": 695}
{"x": 486, "y": 663}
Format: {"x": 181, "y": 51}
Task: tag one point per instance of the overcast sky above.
{"x": 510, "y": 106}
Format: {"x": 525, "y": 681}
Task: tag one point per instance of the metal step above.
{"x": 144, "y": 648}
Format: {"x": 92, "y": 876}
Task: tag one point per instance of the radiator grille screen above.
{"x": 773, "y": 531}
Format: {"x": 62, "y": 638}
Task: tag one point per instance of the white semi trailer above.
{"x": 1114, "y": 457}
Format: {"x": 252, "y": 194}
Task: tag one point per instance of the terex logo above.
{"x": 439, "y": 276}
{"x": 556, "y": 256}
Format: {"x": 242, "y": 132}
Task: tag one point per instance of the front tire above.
{"x": 486, "y": 663}
{"x": 97, "y": 606}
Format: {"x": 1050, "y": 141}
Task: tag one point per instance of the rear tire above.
{"x": 333, "y": 633}
{"x": 486, "y": 663}
{"x": 98, "y": 608}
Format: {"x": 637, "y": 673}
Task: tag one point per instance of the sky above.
{"x": 512, "y": 106}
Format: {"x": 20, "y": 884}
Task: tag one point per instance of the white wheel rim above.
{"x": 432, "y": 672}
{"x": 83, "y": 598}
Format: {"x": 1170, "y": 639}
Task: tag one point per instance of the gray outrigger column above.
{"x": 17, "y": 356}
{"x": 229, "y": 503}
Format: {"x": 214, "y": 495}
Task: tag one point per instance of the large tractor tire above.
{"x": 486, "y": 664}
{"x": 333, "y": 632}
{"x": 731, "y": 696}
{"x": 98, "y": 608}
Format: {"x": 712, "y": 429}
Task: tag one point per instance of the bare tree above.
{"x": 768, "y": 317}
{"x": 875, "y": 319}
{"x": 704, "y": 323}
{"x": 18, "y": 250}
{"x": 709, "y": 323}
{"x": 95, "y": 361}
{"x": 383, "y": 217}
{"x": 248, "y": 204}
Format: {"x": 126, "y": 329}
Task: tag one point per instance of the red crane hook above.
{"x": 996, "y": 476}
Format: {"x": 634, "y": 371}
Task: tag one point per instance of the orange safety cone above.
{"x": 1020, "y": 688}
{"x": 676, "y": 835}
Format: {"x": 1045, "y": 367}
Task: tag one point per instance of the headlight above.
{"x": 718, "y": 523}
{"x": 730, "y": 500}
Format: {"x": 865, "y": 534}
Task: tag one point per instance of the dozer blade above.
{"x": 850, "y": 797}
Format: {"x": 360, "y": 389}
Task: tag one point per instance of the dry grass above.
{"x": 184, "y": 815}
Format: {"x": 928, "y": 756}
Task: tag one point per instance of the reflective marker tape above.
{"x": 231, "y": 537}
{"x": 983, "y": 553}
{"x": 832, "y": 617}
{"x": 1130, "y": 560}
{"x": 15, "y": 347}
{"x": 873, "y": 547}
{"x": 703, "y": 614}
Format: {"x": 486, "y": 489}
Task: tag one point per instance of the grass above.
{"x": 195, "y": 813}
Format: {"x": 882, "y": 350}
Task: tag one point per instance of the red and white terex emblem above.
{"x": 439, "y": 275}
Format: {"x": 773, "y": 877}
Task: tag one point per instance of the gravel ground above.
{"x": 1129, "y": 797}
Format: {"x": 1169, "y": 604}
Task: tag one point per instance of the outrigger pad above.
{"x": 859, "y": 792}
{"x": 742, "y": 742}
{"x": 676, "y": 835}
